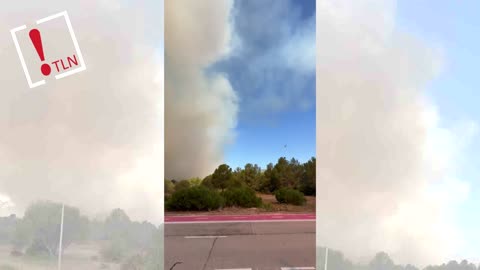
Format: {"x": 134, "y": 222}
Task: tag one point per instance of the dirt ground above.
{"x": 269, "y": 199}
{"x": 75, "y": 257}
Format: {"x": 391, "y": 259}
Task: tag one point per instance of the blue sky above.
{"x": 453, "y": 27}
{"x": 272, "y": 69}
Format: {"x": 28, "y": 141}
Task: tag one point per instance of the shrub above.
{"x": 308, "y": 189}
{"x": 207, "y": 182}
{"x": 267, "y": 207}
{"x": 115, "y": 251}
{"x": 241, "y": 197}
{"x": 169, "y": 186}
{"x": 289, "y": 196}
{"x": 198, "y": 198}
{"x": 37, "y": 249}
{"x": 194, "y": 181}
{"x": 235, "y": 183}
{"x": 184, "y": 184}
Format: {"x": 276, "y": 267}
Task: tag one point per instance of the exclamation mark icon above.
{"x": 37, "y": 43}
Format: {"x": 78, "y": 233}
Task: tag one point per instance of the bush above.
{"x": 184, "y": 184}
{"x": 235, "y": 183}
{"x": 37, "y": 249}
{"x": 207, "y": 182}
{"x": 169, "y": 186}
{"x": 241, "y": 197}
{"x": 115, "y": 251}
{"x": 290, "y": 196}
{"x": 198, "y": 198}
{"x": 308, "y": 189}
{"x": 267, "y": 206}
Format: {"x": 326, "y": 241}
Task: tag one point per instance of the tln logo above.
{"x": 43, "y": 61}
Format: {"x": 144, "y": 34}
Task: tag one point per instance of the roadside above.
{"x": 268, "y": 199}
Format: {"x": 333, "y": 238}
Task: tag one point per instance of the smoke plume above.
{"x": 382, "y": 155}
{"x": 200, "y": 105}
{"x": 92, "y": 140}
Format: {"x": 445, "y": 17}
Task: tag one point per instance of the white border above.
{"x": 22, "y": 60}
{"x": 75, "y": 44}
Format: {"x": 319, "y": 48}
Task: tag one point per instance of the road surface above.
{"x": 266, "y": 242}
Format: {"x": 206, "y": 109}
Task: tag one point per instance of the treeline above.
{"x": 132, "y": 244}
{"x": 382, "y": 261}
{"x": 289, "y": 180}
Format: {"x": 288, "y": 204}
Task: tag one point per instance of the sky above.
{"x": 451, "y": 26}
{"x": 272, "y": 70}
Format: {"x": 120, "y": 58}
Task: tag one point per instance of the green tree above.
{"x": 195, "y": 181}
{"x": 7, "y": 228}
{"x": 251, "y": 175}
{"x": 169, "y": 187}
{"x": 117, "y": 232}
{"x": 381, "y": 261}
{"x": 308, "y": 181}
{"x": 207, "y": 181}
{"x": 237, "y": 179}
{"x": 40, "y": 228}
{"x": 182, "y": 185}
{"x": 270, "y": 181}
{"x": 117, "y": 224}
{"x": 280, "y": 174}
{"x": 294, "y": 174}
{"x": 222, "y": 176}
{"x": 125, "y": 236}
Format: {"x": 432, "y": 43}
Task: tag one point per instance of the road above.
{"x": 240, "y": 242}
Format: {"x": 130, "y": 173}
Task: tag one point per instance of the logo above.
{"x": 48, "y": 49}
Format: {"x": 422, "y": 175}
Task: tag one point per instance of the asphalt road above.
{"x": 249, "y": 245}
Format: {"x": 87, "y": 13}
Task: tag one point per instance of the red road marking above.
{"x": 237, "y": 218}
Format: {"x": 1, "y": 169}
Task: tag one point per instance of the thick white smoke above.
{"x": 92, "y": 140}
{"x": 200, "y": 106}
{"x": 382, "y": 156}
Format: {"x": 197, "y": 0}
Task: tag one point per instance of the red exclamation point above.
{"x": 37, "y": 42}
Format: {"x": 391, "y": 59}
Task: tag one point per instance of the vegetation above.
{"x": 38, "y": 230}
{"x": 222, "y": 177}
{"x": 7, "y": 229}
{"x": 169, "y": 187}
{"x": 241, "y": 197}
{"x": 124, "y": 236}
{"x": 290, "y": 196}
{"x": 290, "y": 179}
{"x": 198, "y": 198}
{"x": 382, "y": 261}
{"x": 133, "y": 244}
